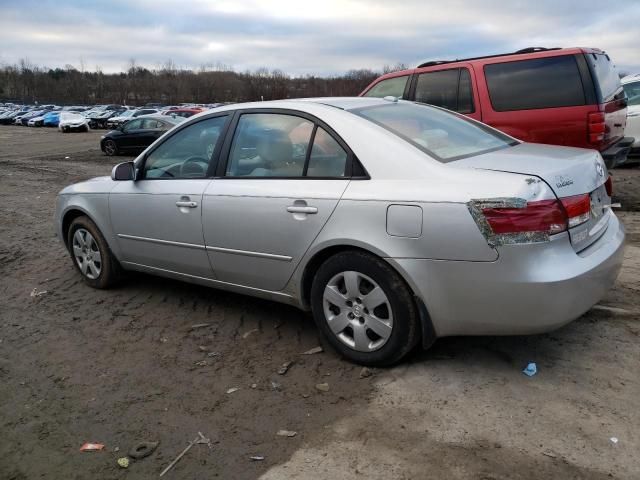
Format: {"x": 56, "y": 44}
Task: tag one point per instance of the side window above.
{"x": 187, "y": 153}
{"x": 633, "y": 92}
{"x": 150, "y": 123}
{"x": 269, "y": 145}
{"x": 133, "y": 125}
{"x": 465, "y": 92}
{"x": 529, "y": 84}
{"x": 439, "y": 88}
{"x": 390, "y": 87}
{"x": 328, "y": 158}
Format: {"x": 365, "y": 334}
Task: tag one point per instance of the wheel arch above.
{"x": 67, "y": 219}
{"x": 428, "y": 333}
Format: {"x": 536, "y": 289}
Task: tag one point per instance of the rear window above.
{"x": 531, "y": 84}
{"x": 605, "y": 76}
{"x": 393, "y": 87}
{"x": 443, "y": 135}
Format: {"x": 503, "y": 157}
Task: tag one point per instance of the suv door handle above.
{"x": 184, "y": 204}
{"x": 301, "y": 209}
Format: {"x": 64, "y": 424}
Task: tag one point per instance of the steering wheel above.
{"x": 194, "y": 167}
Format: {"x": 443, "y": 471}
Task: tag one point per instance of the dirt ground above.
{"x": 126, "y": 365}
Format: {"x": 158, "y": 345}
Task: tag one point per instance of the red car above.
{"x": 559, "y": 96}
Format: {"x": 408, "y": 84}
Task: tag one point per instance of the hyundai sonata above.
{"x": 394, "y": 223}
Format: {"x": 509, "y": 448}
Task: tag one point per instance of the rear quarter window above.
{"x": 390, "y": 87}
{"x": 604, "y": 75}
{"x": 533, "y": 84}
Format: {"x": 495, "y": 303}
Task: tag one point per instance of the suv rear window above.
{"x": 450, "y": 89}
{"x": 530, "y": 84}
{"x": 390, "y": 87}
{"x": 605, "y": 76}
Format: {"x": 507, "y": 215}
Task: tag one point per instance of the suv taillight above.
{"x": 529, "y": 222}
{"x": 596, "y": 127}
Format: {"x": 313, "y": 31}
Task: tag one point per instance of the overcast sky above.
{"x": 306, "y": 36}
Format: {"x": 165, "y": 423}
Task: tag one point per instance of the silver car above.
{"x": 394, "y": 223}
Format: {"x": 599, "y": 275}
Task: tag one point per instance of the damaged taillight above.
{"x": 514, "y": 220}
{"x": 545, "y": 216}
{"x": 578, "y": 209}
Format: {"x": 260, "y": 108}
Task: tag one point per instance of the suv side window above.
{"x": 390, "y": 87}
{"x": 187, "y": 153}
{"x": 530, "y": 84}
{"x": 450, "y": 89}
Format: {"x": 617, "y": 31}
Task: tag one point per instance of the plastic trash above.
{"x": 91, "y": 447}
{"x": 531, "y": 370}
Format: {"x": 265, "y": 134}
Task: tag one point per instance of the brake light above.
{"x": 509, "y": 221}
{"x": 578, "y": 209}
{"x": 608, "y": 185}
{"x": 544, "y": 216}
{"x": 596, "y": 127}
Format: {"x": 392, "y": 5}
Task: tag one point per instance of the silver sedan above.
{"x": 394, "y": 223}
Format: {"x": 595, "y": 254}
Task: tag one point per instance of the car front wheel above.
{"x": 91, "y": 255}
{"x": 364, "y": 309}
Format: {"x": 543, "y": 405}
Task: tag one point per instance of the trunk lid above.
{"x": 568, "y": 171}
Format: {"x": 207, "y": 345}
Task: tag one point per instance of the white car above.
{"x": 73, "y": 121}
{"x": 631, "y": 85}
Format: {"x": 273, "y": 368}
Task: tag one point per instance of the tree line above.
{"x": 168, "y": 84}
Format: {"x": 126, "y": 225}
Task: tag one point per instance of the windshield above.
{"x": 443, "y": 135}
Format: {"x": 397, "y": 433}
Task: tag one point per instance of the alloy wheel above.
{"x": 357, "y": 311}
{"x": 87, "y": 254}
{"x": 110, "y": 147}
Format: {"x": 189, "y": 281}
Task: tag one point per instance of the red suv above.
{"x": 560, "y": 96}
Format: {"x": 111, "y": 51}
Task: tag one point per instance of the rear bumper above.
{"x": 617, "y": 153}
{"x": 529, "y": 289}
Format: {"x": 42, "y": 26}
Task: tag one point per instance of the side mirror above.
{"x": 123, "y": 171}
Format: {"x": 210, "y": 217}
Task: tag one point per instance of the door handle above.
{"x": 184, "y": 204}
{"x": 301, "y": 209}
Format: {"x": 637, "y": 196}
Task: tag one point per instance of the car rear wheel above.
{"x": 364, "y": 309}
{"x": 91, "y": 255}
{"x": 110, "y": 148}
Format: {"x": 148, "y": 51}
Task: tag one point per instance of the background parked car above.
{"x": 24, "y": 119}
{"x": 183, "y": 112}
{"x": 569, "y": 96}
{"x": 631, "y": 85}
{"x": 71, "y": 121}
{"x": 137, "y": 134}
{"x": 116, "y": 121}
{"x": 51, "y": 119}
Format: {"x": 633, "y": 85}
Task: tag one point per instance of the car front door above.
{"x": 283, "y": 177}
{"x": 130, "y": 134}
{"x": 158, "y": 218}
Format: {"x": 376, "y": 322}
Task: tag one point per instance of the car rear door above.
{"x": 283, "y": 177}
{"x": 158, "y": 218}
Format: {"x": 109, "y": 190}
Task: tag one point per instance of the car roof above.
{"x": 630, "y": 78}
{"x": 161, "y": 118}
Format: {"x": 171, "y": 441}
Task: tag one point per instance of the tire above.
{"x": 110, "y": 148}
{"x": 343, "y": 323}
{"x": 85, "y": 241}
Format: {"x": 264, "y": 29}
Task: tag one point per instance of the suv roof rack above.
{"x": 522, "y": 51}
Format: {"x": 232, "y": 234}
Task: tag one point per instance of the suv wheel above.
{"x": 364, "y": 309}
